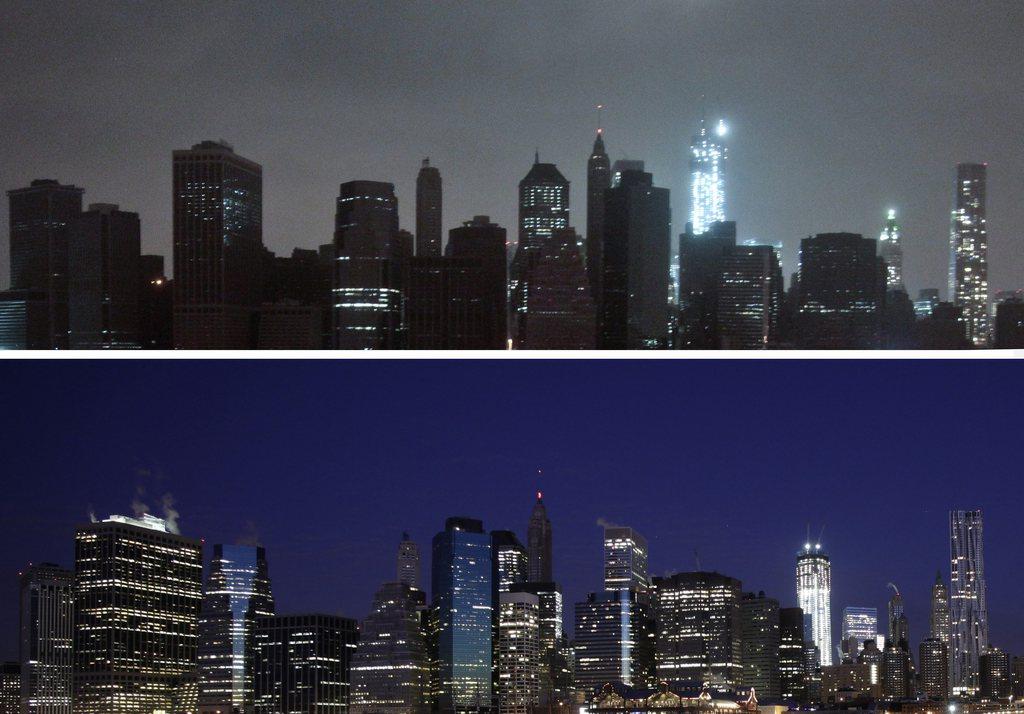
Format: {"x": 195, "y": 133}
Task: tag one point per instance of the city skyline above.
{"x": 788, "y": 177}
{"x": 217, "y": 458}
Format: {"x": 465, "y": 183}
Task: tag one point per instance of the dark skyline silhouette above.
{"x": 838, "y": 111}
{"x": 327, "y": 463}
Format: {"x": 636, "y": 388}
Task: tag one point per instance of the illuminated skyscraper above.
{"x": 814, "y": 593}
{"x": 408, "y": 562}
{"x": 462, "y": 605}
{"x": 552, "y": 640}
{"x": 749, "y": 297}
{"x": 707, "y": 176}
{"x": 760, "y": 637}
{"x": 428, "y": 211}
{"x": 218, "y": 247}
{"x": 390, "y": 671}
{"x": 599, "y": 178}
{"x": 890, "y": 248}
{"x": 625, "y": 560}
{"x": 994, "y": 676}
{"x": 933, "y": 656}
{"x": 792, "y": 680}
{"x": 968, "y": 251}
{"x": 237, "y": 592}
{"x": 968, "y": 611}
{"x": 939, "y": 619}
{"x": 135, "y": 575}
{"x": 47, "y": 638}
{"x": 538, "y": 542}
{"x": 518, "y": 653}
{"x": 859, "y": 625}
{"x": 10, "y": 687}
{"x": 508, "y": 558}
{"x": 699, "y": 631}
{"x": 613, "y": 641}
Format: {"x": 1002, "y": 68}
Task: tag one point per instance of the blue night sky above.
{"x": 328, "y": 462}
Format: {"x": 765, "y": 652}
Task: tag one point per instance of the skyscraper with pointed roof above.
{"x": 409, "y": 562}
{"x": 428, "y": 211}
{"x": 939, "y": 621}
{"x": 538, "y": 543}
{"x": 599, "y": 179}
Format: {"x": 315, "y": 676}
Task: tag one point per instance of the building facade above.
{"x": 708, "y": 155}
{"x": 428, "y": 211}
{"x": 761, "y": 638}
{"x": 792, "y": 679}
{"x": 599, "y": 179}
{"x": 625, "y": 560}
{"x": 138, "y": 593}
{"x": 518, "y": 653}
{"x": 538, "y": 543}
{"x": 814, "y": 593}
{"x": 933, "y": 659}
{"x": 890, "y": 248}
{"x": 408, "y": 562}
{"x": 749, "y": 298}
{"x": 968, "y": 252}
{"x": 968, "y": 612}
{"x": 860, "y": 624}
{"x": 613, "y": 641}
{"x": 46, "y": 639}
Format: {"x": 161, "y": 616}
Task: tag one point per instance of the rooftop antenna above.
{"x": 600, "y": 124}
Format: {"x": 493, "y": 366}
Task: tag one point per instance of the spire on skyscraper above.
{"x": 538, "y": 543}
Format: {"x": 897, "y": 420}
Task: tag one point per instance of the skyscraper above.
{"x": 968, "y": 253}
{"x": 749, "y": 298}
{"x": 538, "y": 542}
{"x": 699, "y": 628}
{"x": 218, "y": 246}
{"x": 792, "y": 681}
{"x": 428, "y": 211}
{"x": 303, "y": 663}
{"x": 368, "y": 249}
{"x": 895, "y": 608}
{"x": 509, "y": 560}
{"x": 10, "y": 688}
{"x": 486, "y": 306}
{"x": 408, "y": 562}
{"x": 40, "y": 215}
{"x": 760, "y": 638}
{"x": 994, "y": 678}
{"x": 860, "y": 624}
{"x": 599, "y": 179}
{"x": 518, "y": 653}
{"x": 613, "y": 640}
{"x": 47, "y": 639}
{"x": 701, "y": 261}
{"x": 135, "y": 575}
{"x": 933, "y": 656}
{"x": 897, "y": 673}
{"x": 543, "y": 208}
{"x": 841, "y": 292}
{"x": 814, "y": 593}
{"x": 552, "y": 638}
{"x": 237, "y": 592}
{"x": 625, "y": 560}
{"x": 635, "y": 265}
{"x": 890, "y": 248}
{"x": 968, "y": 613}
{"x": 708, "y": 156}
{"x": 390, "y": 667}
{"x": 104, "y": 277}
{"x": 462, "y": 606}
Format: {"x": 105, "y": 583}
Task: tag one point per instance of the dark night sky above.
{"x": 839, "y": 109}
{"x": 329, "y": 461}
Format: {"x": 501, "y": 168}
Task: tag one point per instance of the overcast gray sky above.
{"x": 839, "y": 110}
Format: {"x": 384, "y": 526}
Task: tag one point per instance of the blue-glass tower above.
{"x": 461, "y": 603}
{"x": 237, "y": 592}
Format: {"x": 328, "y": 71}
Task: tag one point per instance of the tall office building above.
{"x": 47, "y": 639}
{"x": 543, "y": 208}
{"x": 10, "y": 688}
{"x": 708, "y": 156}
{"x": 897, "y": 673}
{"x": 40, "y": 216}
{"x": 518, "y": 653}
{"x": 761, "y": 639}
{"x": 613, "y": 641}
{"x": 390, "y": 667}
{"x": 428, "y": 211}
{"x": 237, "y": 592}
{"x": 508, "y": 560}
{"x": 635, "y": 265}
{"x": 968, "y": 613}
{"x": 625, "y": 560}
{"x": 749, "y": 298}
{"x": 701, "y": 262}
{"x": 462, "y": 606}
{"x": 927, "y": 299}
{"x": 558, "y": 309}
{"x": 304, "y": 663}
{"x": 933, "y": 657}
{"x": 132, "y": 576}
{"x": 553, "y": 688}
{"x": 104, "y": 279}
{"x": 841, "y": 292}
{"x": 792, "y": 679}
{"x": 599, "y": 179}
{"x": 538, "y": 542}
{"x": 968, "y": 253}
{"x": 408, "y": 562}
{"x": 939, "y": 617}
{"x": 994, "y": 676}
{"x": 860, "y": 624}
{"x": 814, "y": 593}
{"x": 895, "y": 609}
{"x": 369, "y": 249}
{"x": 479, "y": 320}
{"x": 890, "y": 248}
{"x": 218, "y": 246}
{"x": 699, "y": 628}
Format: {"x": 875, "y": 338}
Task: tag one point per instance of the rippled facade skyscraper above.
{"x": 968, "y": 611}
{"x": 968, "y": 248}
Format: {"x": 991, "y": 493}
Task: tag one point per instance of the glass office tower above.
{"x": 814, "y": 593}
